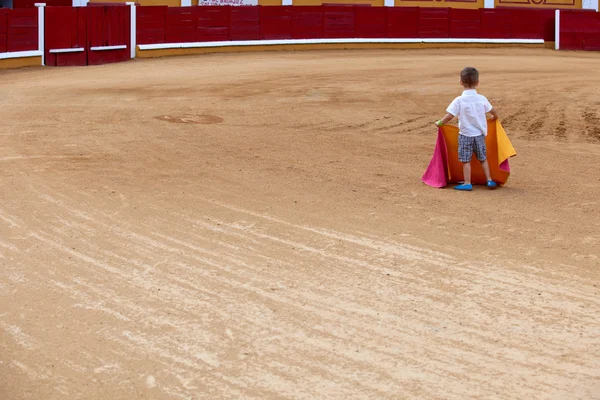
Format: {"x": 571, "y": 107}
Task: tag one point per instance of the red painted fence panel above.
{"x": 532, "y": 24}
{"x": 465, "y": 23}
{"x": 188, "y": 24}
{"x": 212, "y": 23}
{"x": 433, "y": 22}
{"x": 151, "y": 25}
{"x": 108, "y": 26}
{"x": 65, "y": 28}
{"x": 579, "y": 30}
{"x": 338, "y": 22}
{"x": 402, "y": 22}
{"x": 307, "y": 22}
{"x": 22, "y": 30}
{"x": 370, "y": 22}
{"x": 244, "y": 23}
{"x": 3, "y": 30}
{"x": 496, "y": 24}
{"x": 181, "y": 24}
{"x": 275, "y": 22}
{"x": 49, "y": 3}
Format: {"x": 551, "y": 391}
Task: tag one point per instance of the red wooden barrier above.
{"x": 108, "y": 27}
{"x": 465, "y": 23}
{"x": 244, "y": 23}
{"x": 496, "y": 24}
{"x": 275, "y": 22}
{"x": 22, "y": 30}
{"x": 181, "y": 24}
{"x": 190, "y": 24}
{"x": 87, "y": 35}
{"x": 532, "y": 24}
{"x": 579, "y": 30}
{"x": 402, "y": 22}
{"x": 307, "y": 22}
{"x": 433, "y": 22}
{"x": 338, "y": 22}
{"x": 370, "y": 22}
{"x": 65, "y": 29}
{"x": 3, "y": 30}
{"x": 212, "y": 23}
{"x": 49, "y": 3}
{"x": 151, "y": 25}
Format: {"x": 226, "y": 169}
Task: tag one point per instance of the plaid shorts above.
{"x": 467, "y": 145}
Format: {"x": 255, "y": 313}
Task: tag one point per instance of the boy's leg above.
{"x": 465, "y": 153}
{"x": 481, "y": 152}
{"x": 486, "y": 169}
{"x": 467, "y": 172}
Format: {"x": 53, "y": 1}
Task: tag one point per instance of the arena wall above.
{"x": 19, "y": 38}
{"x": 157, "y": 25}
{"x": 103, "y": 34}
{"x": 578, "y": 30}
{"x": 459, "y": 4}
{"x": 20, "y": 62}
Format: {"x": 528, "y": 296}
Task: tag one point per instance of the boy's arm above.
{"x": 494, "y": 113}
{"x": 445, "y": 120}
{"x": 452, "y": 110}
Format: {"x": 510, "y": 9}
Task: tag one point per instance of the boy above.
{"x": 471, "y": 109}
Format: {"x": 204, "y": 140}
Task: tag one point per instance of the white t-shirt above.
{"x": 470, "y": 109}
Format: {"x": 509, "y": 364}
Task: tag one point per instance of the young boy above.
{"x": 471, "y": 109}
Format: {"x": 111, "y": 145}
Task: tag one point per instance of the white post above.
{"x": 488, "y": 4}
{"x": 589, "y": 5}
{"x": 557, "y": 30}
{"x": 41, "y": 25}
{"x": 389, "y": 3}
{"x": 286, "y": 2}
{"x": 133, "y": 30}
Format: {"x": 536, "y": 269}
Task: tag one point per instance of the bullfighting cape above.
{"x": 445, "y": 168}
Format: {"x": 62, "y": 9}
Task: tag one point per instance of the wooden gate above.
{"x": 78, "y": 36}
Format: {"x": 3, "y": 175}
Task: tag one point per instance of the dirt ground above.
{"x": 254, "y": 226}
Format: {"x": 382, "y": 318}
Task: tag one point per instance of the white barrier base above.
{"x": 163, "y": 46}
{"x": 105, "y": 48}
{"x": 73, "y": 50}
{"x": 20, "y": 54}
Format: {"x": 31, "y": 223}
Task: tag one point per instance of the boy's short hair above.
{"x": 469, "y": 76}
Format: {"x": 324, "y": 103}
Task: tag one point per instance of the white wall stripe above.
{"x": 104, "y": 48}
{"x": 133, "y": 37}
{"x": 159, "y": 46}
{"x": 20, "y": 54}
{"x": 69, "y": 50}
{"x": 557, "y": 30}
{"x": 41, "y": 29}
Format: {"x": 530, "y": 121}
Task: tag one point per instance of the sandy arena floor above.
{"x": 254, "y": 226}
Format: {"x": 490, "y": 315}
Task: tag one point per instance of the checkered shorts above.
{"x": 467, "y": 145}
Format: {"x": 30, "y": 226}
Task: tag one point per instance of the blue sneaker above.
{"x": 492, "y": 185}
{"x": 464, "y": 187}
